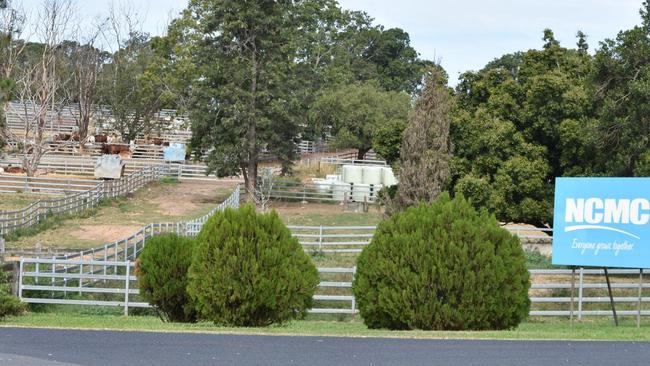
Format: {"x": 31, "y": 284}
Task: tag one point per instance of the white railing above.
{"x": 74, "y": 282}
{"x": 59, "y": 281}
{"x": 38, "y": 211}
{"x": 333, "y": 239}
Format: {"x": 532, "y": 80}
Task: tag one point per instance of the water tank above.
{"x": 352, "y": 174}
{"x": 341, "y": 191}
{"x": 333, "y": 177}
{"x": 361, "y": 192}
{"x": 109, "y": 167}
{"x": 388, "y": 178}
{"x": 174, "y": 152}
{"x": 323, "y": 187}
{"x": 372, "y": 174}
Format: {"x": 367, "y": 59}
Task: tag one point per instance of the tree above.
{"x": 11, "y": 25}
{"x": 424, "y": 165}
{"x": 523, "y": 120}
{"x": 132, "y": 85}
{"x": 243, "y": 93}
{"x": 83, "y": 62}
{"x": 622, "y": 83}
{"x": 355, "y": 114}
{"x": 38, "y": 82}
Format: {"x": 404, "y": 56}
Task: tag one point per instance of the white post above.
{"x": 126, "y": 286}
{"x": 580, "y": 293}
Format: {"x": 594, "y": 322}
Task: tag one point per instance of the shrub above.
{"x": 9, "y": 304}
{"x": 442, "y": 266}
{"x": 248, "y": 270}
{"x": 162, "y": 276}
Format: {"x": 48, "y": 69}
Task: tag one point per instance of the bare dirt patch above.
{"x": 181, "y": 199}
{"x": 104, "y": 233}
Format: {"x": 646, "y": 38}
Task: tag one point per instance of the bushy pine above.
{"x": 442, "y": 266}
{"x": 9, "y": 304}
{"x": 162, "y": 276}
{"x": 248, "y": 270}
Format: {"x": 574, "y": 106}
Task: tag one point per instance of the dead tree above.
{"x": 425, "y": 155}
{"x": 38, "y": 84}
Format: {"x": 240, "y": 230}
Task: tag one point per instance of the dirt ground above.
{"x": 157, "y": 202}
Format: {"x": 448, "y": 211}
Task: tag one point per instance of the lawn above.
{"x": 327, "y": 214}
{"x": 536, "y": 328}
{"x": 15, "y": 201}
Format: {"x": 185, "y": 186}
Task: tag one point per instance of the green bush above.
{"x": 442, "y": 266}
{"x": 9, "y": 304}
{"x": 162, "y": 276}
{"x": 248, "y": 270}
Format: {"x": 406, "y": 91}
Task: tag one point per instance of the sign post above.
{"x": 603, "y": 222}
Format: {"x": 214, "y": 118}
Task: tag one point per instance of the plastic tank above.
{"x": 353, "y": 174}
{"x": 109, "y": 167}
{"x": 174, "y": 152}
{"x": 372, "y": 174}
{"x": 323, "y": 186}
{"x": 388, "y": 178}
{"x": 341, "y": 191}
{"x": 361, "y": 192}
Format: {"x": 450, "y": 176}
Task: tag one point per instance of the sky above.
{"x": 462, "y": 34}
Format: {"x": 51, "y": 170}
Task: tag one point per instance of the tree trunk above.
{"x": 251, "y": 135}
{"x": 362, "y": 153}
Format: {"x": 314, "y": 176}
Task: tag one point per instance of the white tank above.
{"x": 340, "y": 191}
{"x": 333, "y": 177}
{"x": 323, "y": 186}
{"x": 360, "y": 192}
{"x": 388, "y": 178}
{"x": 372, "y": 174}
{"x": 352, "y": 174}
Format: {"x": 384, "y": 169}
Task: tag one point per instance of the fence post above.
{"x": 20, "y": 279}
{"x": 638, "y": 314}
{"x": 320, "y": 239}
{"x": 573, "y": 287}
{"x": 580, "y": 293}
{"x": 126, "y": 290}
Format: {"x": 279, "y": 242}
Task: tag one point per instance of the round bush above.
{"x": 248, "y": 270}
{"x": 162, "y": 276}
{"x": 442, "y": 266}
{"x": 9, "y": 304}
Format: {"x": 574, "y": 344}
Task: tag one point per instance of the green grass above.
{"x": 544, "y": 329}
{"x": 17, "y": 201}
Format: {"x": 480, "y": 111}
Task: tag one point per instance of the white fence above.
{"x": 113, "y": 283}
{"x": 69, "y": 281}
{"x": 75, "y": 203}
{"x": 310, "y": 192}
{"x": 352, "y": 239}
{"x": 333, "y": 239}
{"x": 80, "y": 166}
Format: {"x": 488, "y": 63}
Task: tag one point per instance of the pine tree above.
{"x": 424, "y": 166}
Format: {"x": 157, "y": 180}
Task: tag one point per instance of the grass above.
{"x": 536, "y": 328}
{"x": 16, "y": 201}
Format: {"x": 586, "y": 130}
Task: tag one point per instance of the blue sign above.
{"x": 174, "y": 152}
{"x": 602, "y": 222}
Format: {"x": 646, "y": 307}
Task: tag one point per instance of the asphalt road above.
{"x": 48, "y": 347}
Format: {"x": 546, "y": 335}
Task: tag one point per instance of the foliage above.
{"x": 9, "y": 304}
{"x": 132, "y": 87}
{"x": 423, "y": 168}
{"x": 362, "y": 116}
{"x": 162, "y": 276}
{"x": 442, "y": 266}
{"x": 523, "y": 120}
{"x": 622, "y": 77}
{"x": 247, "y": 270}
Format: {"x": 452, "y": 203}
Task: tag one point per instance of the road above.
{"x": 49, "y": 347}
